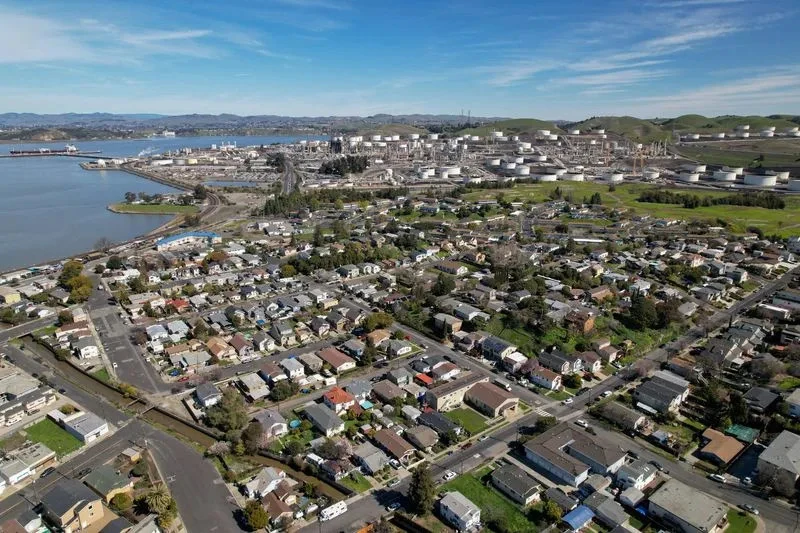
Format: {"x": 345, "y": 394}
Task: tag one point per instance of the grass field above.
{"x": 785, "y": 222}
{"x": 493, "y": 505}
{"x": 789, "y": 383}
{"x": 357, "y": 482}
{"x": 740, "y": 522}
{"x": 102, "y": 375}
{"x": 512, "y": 127}
{"x": 51, "y": 435}
{"x": 467, "y": 419}
{"x": 720, "y": 155}
{"x": 153, "y": 209}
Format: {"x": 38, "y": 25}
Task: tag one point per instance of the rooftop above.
{"x": 692, "y": 506}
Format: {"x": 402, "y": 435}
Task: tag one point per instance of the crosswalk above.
{"x": 541, "y": 412}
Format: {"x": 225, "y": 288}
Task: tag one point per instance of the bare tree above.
{"x": 103, "y": 244}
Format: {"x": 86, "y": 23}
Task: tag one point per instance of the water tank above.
{"x": 721, "y": 175}
{"x": 744, "y": 135}
{"x": 767, "y": 133}
{"x": 375, "y": 138}
{"x": 603, "y": 136}
{"x": 794, "y": 185}
{"x": 523, "y": 170}
{"x": 509, "y": 165}
{"x": 546, "y": 177}
{"x": 552, "y": 137}
{"x": 736, "y": 170}
{"x": 793, "y": 129}
{"x": 693, "y": 136}
{"x": 387, "y": 138}
{"x": 525, "y": 146}
{"x": 395, "y": 137}
{"x": 540, "y": 158}
{"x": 443, "y": 175}
{"x": 794, "y": 134}
{"x": 718, "y": 135}
{"x": 367, "y": 144}
{"x": 519, "y": 160}
{"x": 600, "y": 131}
{"x": 690, "y": 177}
{"x": 493, "y": 162}
{"x": 414, "y": 136}
{"x": 380, "y": 144}
{"x": 496, "y": 134}
{"x": 651, "y": 174}
{"x": 454, "y": 171}
{"x": 574, "y": 132}
{"x": 543, "y": 133}
{"x": 760, "y": 180}
{"x": 474, "y": 138}
{"x": 433, "y": 136}
{"x": 770, "y": 128}
{"x": 352, "y": 144}
{"x": 515, "y": 138}
{"x": 743, "y": 127}
{"x": 191, "y": 161}
{"x": 573, "y": 176}
{"x": 782, "y": 175}
{"x": 614, "y": 177}
{"x": 559, "y": 171}
{"x": 431, "y": 172}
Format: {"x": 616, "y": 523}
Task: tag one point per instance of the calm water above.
{"x": 51, "y": 208}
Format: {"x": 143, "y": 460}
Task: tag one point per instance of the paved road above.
{"x": 26, "y": 328}
{"x": 202, "y": 497}
{"x": 131, "y": 367}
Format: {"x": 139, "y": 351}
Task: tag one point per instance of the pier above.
{"x": 85, "y": 155}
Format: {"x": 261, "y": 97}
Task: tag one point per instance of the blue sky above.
{"x": 553, "y": 60}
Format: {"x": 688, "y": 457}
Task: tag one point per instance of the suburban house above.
{"x": 793, "y": 401}
{"x": 497, "y": 348}
{"x": 516, "y": 483}
{"x": 207, "y": 394}
{"x": 637, "y": 474}
{"x": 85, "y": 348}
{"x": 272, "y": 423}
{"x": 459, "y": 512}
{"x": 338, "y": 399}
{"x": 558, "y": 361}
{"x": 780, "y": 461}
{"x": 294, "y": 369}
{"x": 398, "y": 348}
{"x": 312, "y": 363}
{"x": 544, "y": 377}
{"x": 370, "y": 458}
{"x": 491, "y": 400}
{"x": 687, "y": 509}
{"x": 243, "y": 347}
{"x": 338, "y": 360}
{"x": 622, "y": 416}
{"x": 570, "y": 454}
{"x": 438, "y": 422}
{"x": 264, "y": 482}
{"x": 719, "y": 448}
{"x": 591, "y": 361}
{"x": 72, "y": 506}
{"x": 386, "y": 391}
{"x": 422, "y": 437}
{"x": 394, "y": 444}
{"x": 451, "y": 394}
{"x": 324, "y": 419}
{"x": 282, "y": 332}
{"x": 664, "y": 392}
{"x": 108, "y": 482}
{"x": 447, "y": 323}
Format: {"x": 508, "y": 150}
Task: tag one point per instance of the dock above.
{"x": 86, "y": 155}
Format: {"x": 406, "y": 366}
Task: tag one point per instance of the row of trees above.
{"x": 73, "y": 280}
{"x": 283, "y": 205}
{"x": 644, "y": 313}
{"x": 693, "y": 201}
{"x": 342, "y": 166}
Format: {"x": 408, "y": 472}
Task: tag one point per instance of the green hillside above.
{"x": 392, "y": 129}
{"x": 726, "y": 123}
{"x": 630, "y": 127}
{"x": 517, "y": 126}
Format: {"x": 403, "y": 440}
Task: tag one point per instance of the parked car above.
{"x": 606, "y": 394}
{"x": 392, "y": 507}
{"x": 716, "y": 477}
{"x": 393, "y": 483}
{"x": 47, "y": 471}
{"x": 449, "y": 475}
{"x": 567, "y": 401}
{"x": 749, "y": 508}
{"x": 633, "y": 454}
{"x": 582, "y": 423}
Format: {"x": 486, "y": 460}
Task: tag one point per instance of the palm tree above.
{"x": 158, "y": 500}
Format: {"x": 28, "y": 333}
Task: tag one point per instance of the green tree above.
{"x": 319, "y": 238}
{"x": 573, "y": 381}
{"x": 121, "y": 502}
{"x": 282, "y": 390}
{"x": 642, "y": 313}
{"x": 65, "y": 317}
{"x": 200, "y": 192}
{"x": 229, "y": 414}
{"x": 422, "y": 490}
{"x": 444, "y": 284}
{"x": 255, "y": 515}
{"x": 544, "y": 423}
{"x": 378, "y": 320}
{"x": 370, "y": 353}
{"x": 288, "y": 271}
{"x": 251, "y": 437}
{"x": 552, "y": 512}
{"x": 293, "y": 447}
{"x": 158, "y": 500}
{"x": 114, "y": 263}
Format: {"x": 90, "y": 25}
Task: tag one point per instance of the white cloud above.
{"x": 509, "y": 73}
{"x": 620, "y": 77}
{"x": 26, "y": 38}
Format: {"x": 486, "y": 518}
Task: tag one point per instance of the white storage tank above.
{"x": 543, "y": 133}
{"x": 600, "y": 131}
{"x": 552, "y": 137}
{"x": 395, "y": 137}
{"x": 381, "y": 144}
{"x": 367, "y": 144}
{"x": 693, "y": 136}
{"x": 782, "y": 175}
{"x": 493, "y": 162}
{"x": 454, "y": 171}
{"x": 760, "y": 180}
{"x": 525, "y": 146}
{"x": 721, "y": 175}
{"x": 794, "y": 134}
{"x": 770, "y": 128}
{"x": 433, "y": 136}
{"x": 592, "y": 142}
{"x": 718, "y": 135}
{"x": 574, "y": 132}
{"x": 191, "y": 161}
{"x": 573, "y": 176}
{"x": 743, "y": 127}
{"x": 515, "y": 138}
{"x": 744, "y": 135}
{"x": 651, "y": 174}
{"x": 793, "y": 129}
{"x": 474, "y": 138}
{"x": 794, "y": 185}
{"x": 540, "y": 158}
{"x": 546, "y": 177}
{"x": 690, "y": 177}
{"x": 736, "y": 170}
{"x": 496, "y": 134}
{"x": 519, "y": 160}
{"x": 509, "y": 165}
{"x": 559, "y": 171}
{"x": 614, "y": 177}
{"x": 443, "y": 175}
{"x": 767, "y": 133}
{"x": 523, "y": 170}
{"x": 375, "y": 138}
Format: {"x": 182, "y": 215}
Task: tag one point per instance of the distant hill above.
{"x": 392, "y": 129}
{"x": 725, "y": 123}
{"x": 633, "y": 128}
{"x": 514, "y": 126}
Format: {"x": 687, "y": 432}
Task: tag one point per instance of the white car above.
{"x": 449, "y": 475}
{"x": 582, "y": 423}
{"x": 717, "y": 478}
{"x": 606, "y": 394}
{"x": 567, "y": 401}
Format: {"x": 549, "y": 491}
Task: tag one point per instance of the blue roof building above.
{"x": 579, "y": 517}
{"x": 186, "y": 239}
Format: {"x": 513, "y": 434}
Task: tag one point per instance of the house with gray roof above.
{"x": 516, "y": 483}
{"x": 272, "y": 422}
{"x": 370, "y": 457}
{"x": 324, "y": 419}
{"x": 779, "y": 463}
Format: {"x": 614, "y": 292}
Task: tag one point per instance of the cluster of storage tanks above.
{"x": 692, "y": 173}
{"x": 743, "y": 132}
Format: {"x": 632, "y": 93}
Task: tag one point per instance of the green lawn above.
{"x": 789, "y": 383}
{"x": 635, "y": 522}
{"x": 102, "y": 375}
{"x": 740, "y": 522}
{"x": 470, "y": 420}
{"x": 781, "y": 221}
{"x": 153, "y": 209}
{"x": 493, "y": 505}
{"x": 558, "y": 395}
{"x": 356, "y": 481}
{"x": 51, "y": 435}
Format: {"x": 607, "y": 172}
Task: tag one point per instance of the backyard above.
{"x": 468, "y": 419}
{"x": 494, "y": 506}
{"x": 51, "y": 435}
{"x": 740, "y": 522}
{"x": 356, "y": 481}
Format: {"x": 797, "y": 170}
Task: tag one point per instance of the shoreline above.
{"x": 168, "y": 209}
